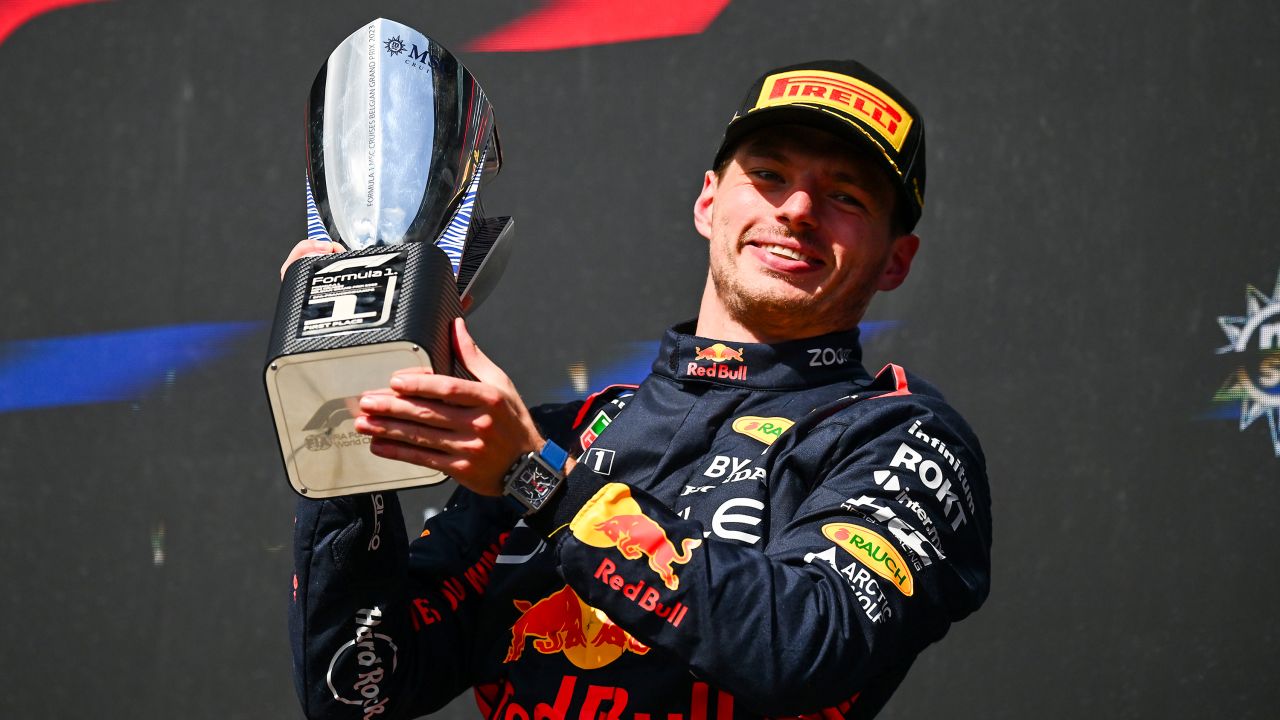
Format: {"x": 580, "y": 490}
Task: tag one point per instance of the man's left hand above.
{"x": 471, "y": 430}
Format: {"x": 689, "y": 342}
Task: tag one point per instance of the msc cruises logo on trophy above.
{"x": 400, "y": 141}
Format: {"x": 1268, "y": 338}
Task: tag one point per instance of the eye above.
{"x": 847, "y": 199}
{"x": 765, "y": 175}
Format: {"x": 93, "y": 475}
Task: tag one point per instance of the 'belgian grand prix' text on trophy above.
{"x": 400, "y": 139}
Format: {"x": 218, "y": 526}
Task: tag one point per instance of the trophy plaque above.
{"x": 400, "y": 140}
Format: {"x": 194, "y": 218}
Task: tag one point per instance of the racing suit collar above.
{"x": 793, "y": 364}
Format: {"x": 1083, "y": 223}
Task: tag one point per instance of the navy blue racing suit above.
{"x": 755, "y": 531}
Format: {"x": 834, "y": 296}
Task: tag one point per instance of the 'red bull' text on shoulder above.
{"x": 637, "y": 592}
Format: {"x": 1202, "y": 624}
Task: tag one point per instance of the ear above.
{"x": 899, "y": 263}
{"x": 702, "y": 207}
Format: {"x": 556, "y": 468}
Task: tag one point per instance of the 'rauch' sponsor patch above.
{"x": 872, "y": 550}
{"x": 764, "y": 429}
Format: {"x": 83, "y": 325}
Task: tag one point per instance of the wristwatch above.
{"x": 535, "y": 477}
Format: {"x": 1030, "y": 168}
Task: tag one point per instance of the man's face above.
{"x": 800, "y": 228}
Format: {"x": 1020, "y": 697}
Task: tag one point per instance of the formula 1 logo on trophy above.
{"x": 400, "y": 141}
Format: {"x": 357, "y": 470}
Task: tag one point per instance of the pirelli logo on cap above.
{"x": 840, "y": 92}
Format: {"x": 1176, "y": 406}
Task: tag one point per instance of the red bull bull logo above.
{"x": 717, "y": 354}
{"x": 614, "y": 519}
{"x": 562, "y": 623}
{"x": 637, "y": 536}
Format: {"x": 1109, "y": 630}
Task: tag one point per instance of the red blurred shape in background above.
{"x": 13, "y": 13}
{"x": 564, "y": 24}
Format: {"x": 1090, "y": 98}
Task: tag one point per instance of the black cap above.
{"x": 847, "y": 99}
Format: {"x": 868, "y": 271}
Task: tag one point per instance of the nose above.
{"x": 797, "y": 210}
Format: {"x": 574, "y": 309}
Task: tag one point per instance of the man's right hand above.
{"x": 307, "y": 248}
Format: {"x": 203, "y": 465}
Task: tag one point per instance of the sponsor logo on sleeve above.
{"x": 374, "y": 655}
{"x": 764, "y": 429}
{"x": 647, "y": 598}
{"x": 563, "y": 623}
{"x": 614, "y": 519}
{"x": 597, "y": 426}
{"x": 375, "y": 541}
{"x": 599, "y": 460}
{"x": 872, "y": 550}
{"x": 847, "y": 94}
{"x": 932, "y": 477}
{"x": 918, "y": 547}
{"x": 951, "y": 460}
{"x": 865, "y": 588}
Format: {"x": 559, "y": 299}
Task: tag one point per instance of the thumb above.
{"x": 474, "y": 359}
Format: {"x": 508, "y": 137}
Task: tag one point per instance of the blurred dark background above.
{"x": 1102, "y": 196}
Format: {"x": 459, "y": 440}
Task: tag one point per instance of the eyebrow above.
{"x": 765, "y": 148}
{"x": 771, "y": 149}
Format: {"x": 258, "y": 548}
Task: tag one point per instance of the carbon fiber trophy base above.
{"x": 344, "y": 323}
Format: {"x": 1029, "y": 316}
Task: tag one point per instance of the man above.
{"x": 761, "y": 529}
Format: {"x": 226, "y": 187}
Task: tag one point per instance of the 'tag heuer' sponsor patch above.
{"x": 843, "y": 93}
{"x": 872, "y": 550}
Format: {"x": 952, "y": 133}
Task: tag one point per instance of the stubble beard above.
{"x": 799, "y": 314}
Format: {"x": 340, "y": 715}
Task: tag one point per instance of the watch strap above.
{"x": 555, "y": 456}
{"x": 535, "y": 477}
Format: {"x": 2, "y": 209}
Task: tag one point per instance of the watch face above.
{"x": 534, "y": 483}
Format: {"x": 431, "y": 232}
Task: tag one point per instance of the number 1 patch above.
{"x": 599, "y": 460}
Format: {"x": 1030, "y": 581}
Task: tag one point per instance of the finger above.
{"x": 412, "y": 370}
{"x": 394, "y": 450}
{"x": 431, "y": 413}
{"x": 455, "y": 391}
{"x": 309, "y": 248}
{"x": 418, "y": 435}
{"x": 473, "y": 358}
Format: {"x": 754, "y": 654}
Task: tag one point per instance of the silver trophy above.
{"x": 400, "y": 142}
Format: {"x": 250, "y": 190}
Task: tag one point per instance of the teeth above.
{"x": 784, "y": 252}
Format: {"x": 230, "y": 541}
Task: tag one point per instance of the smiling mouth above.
{"x": 788, "y": 253}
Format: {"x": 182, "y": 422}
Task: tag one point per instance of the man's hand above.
{"x": 471, "y": 430}
{"x": 307, "y": 248}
